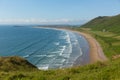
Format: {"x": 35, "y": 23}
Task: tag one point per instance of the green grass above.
{"x": 99, "y": 71}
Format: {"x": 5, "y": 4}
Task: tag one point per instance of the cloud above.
{"x": 39, "y": 21}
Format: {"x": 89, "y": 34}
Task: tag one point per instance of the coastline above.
{"x": 96, "y": 52}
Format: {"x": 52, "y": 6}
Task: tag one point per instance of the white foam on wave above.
{"x": 62, "y": 50}
{"x": 43, "y": 55}
{"x": 56, "y": 52}
{"x": 43, "y": 67}
{"x": 68, "y": 37}
{"x": 81, "y": 52}
{"x": 39, "y": 55}
{"x": 63, "y": 35}
{"x": 56, "y": 43}
{"x": 66, "y": 55}
{"x": 75, "y": 42}
{"x": 69, "y": 41}
{"x": 63, "y": 60}
{"x": 26, "y": 56}
{"x": 70, "y": 48}
{"x": 50, "y": 55}
{"x": 66, "y": 50}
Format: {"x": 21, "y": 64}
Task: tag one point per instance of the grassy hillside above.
{"x": 105, "y": 23}
{"x": 15, "y": 63}
{"x": 25, "y": 71}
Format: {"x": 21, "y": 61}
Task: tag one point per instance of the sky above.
{"x": 55, "y": 11}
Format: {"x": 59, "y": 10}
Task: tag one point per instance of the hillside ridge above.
{"x": 105, "y": 23}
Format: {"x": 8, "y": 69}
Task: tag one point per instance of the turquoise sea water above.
{"x": 45, "y": 48}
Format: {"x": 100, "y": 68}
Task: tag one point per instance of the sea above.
{"x": 46, "y": 48}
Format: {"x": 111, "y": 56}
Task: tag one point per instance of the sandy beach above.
{"x": 96, "y": 52}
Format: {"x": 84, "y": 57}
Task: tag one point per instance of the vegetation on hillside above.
{"x": 99, "y": 71}
{"x": 15, "y": 63}
{"x": 105, "y": 23}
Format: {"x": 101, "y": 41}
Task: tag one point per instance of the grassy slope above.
{"x": 98, "y": 71}
{"x": 110, "y": 41}
{"x": 111, "y": 24}
{"x": 14, "y": 63}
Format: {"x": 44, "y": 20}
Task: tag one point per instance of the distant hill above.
{"x": 106, "y": 23}
{"x": 15, "y": 63}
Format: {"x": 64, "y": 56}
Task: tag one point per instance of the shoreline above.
{"x": 96, "y": 52}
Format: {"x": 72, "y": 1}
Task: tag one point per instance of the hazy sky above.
{"x": 55, "y": 11}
